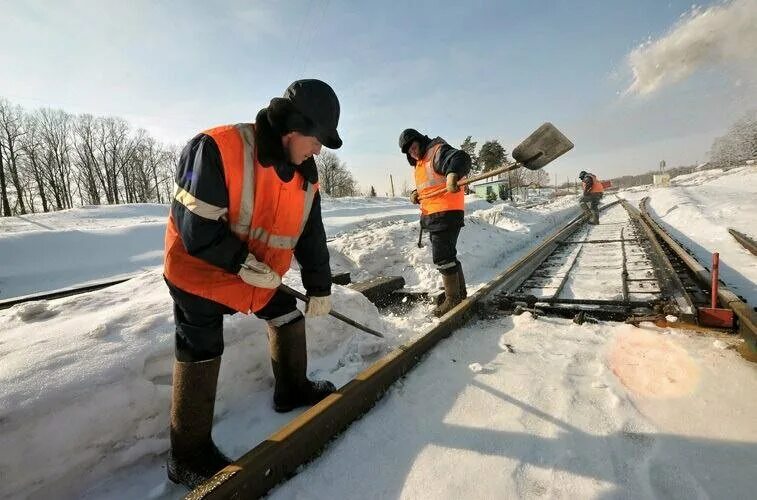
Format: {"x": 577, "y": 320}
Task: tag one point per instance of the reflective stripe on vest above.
{"x": 427, "y": 180}
{"x": 264, "y": 211}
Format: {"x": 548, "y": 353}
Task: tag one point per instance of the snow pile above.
{"x": 546, "y": 417}
{"x": 723, "y": 33}
{"x": 493, "y": 235}
{"x": 699, "y": 208}
{"x": 86, "y": 380}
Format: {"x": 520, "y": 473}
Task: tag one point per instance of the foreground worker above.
{"x": 592, "y": 192}
{"x": 437, "y": 164}
{"x": 246, "y": 202}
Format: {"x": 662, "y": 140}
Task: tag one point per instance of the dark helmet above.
{"x": 583, "y": 174}
{"x": 407, "y": 137}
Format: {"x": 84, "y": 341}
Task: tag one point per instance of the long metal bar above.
{"x": 65, "y": 292}
{"x": 587, "y": 302}
{"x": 624, "y": 274}
{"x": 291, "y": 291}
{"x": 598, "y": 241}
{"x": 745, "y": 240}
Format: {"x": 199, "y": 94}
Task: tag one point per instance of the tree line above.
{"x": 54, "y": 160}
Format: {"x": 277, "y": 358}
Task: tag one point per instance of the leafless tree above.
{"x": 11, "y": 128}
{"x": 334, "y": 177}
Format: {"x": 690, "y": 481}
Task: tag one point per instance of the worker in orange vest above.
{"x": 438, "y": 164}
{"x": 246, "y": 201}
{"x": 592, "y": 192}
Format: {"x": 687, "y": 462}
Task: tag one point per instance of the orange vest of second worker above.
{"x": 264, "y": 211}
{"x": 596, "y": 185}
{"x": 427, "y": 180}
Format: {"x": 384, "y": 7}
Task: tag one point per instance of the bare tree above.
{"x": 32, "y": 148}
{"x": 11, "y": 121}
{"x": 3, "y": 188}
{"x": 334, "y": 177}
{"x": 55, "y": 131}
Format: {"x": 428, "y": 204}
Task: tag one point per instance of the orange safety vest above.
{"x": 596, "y": 186}
{"x": 264, "y": 211}
{"x": 427, "y": 180}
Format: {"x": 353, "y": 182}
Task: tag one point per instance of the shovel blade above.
{"x": 541, "y": 147}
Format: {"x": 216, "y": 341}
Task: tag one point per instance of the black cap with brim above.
{"x": 317, "y": 102}
{"x": 330, "y": 139}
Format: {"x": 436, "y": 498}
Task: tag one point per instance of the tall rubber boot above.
{"x": 194, "y": 457}
{"x": 452, "y": 291}
{"x": 463, "y": 287}
{"x": 289, "y": 360}
{"x": 595, "y": 216}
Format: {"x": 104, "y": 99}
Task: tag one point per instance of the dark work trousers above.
{"x": 199, "y": 322}
{"x": 444, "y": 249}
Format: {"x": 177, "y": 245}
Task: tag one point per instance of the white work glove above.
{"x": 256, "y": 273}
{"x": 452, "y": 186}
{"x": 318, "y": 306}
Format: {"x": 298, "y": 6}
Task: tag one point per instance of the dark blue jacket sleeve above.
{"x": 312, "y": 254}
{"x": 200, "y": 206}
{"x": 452, "y": 161}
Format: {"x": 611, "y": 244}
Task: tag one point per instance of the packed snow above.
{"x": 528, "y": 408}
{"x": 698, "y": 209}
{"x": 519, "y": 407}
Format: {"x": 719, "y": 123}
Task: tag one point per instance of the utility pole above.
{"x": 391, "y": 182}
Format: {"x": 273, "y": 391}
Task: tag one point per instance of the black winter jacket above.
{"x": 200, "y": 172}
{"x": 449, "y": 161}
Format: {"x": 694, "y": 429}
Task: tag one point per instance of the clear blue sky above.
{"x": 487, "y": 69}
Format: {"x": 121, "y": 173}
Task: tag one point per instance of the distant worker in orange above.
{"x": 593, "y": 190}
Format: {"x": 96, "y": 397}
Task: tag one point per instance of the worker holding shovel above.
{"x": 438, "y": 164}
{"x": 439, "y": 172}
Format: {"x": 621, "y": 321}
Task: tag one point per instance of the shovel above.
{"x": 545, "y": 144}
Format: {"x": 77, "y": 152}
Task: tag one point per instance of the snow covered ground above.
{"x": 532, "y": 407}
{"x": 519, "y": 407}
{"x": 85, "y": 380}
{"x": 699, "y": 208}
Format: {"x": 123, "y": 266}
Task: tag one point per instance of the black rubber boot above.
{"x": 194, "y": 457}
{"x": 453, "y": 286}
{"x": 289, "y": 359}
{"x": 463, "y": 287}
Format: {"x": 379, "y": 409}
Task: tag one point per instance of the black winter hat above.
{"x": 582, "y": 174}
{"x": 408, "y": 136}
{"x": 317, "y": 103}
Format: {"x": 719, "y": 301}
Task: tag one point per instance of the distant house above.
{"x": 500, "y": 189}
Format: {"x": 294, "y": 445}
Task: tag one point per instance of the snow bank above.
{"x": 699, "y": 208}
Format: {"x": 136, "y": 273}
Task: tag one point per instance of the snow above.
{"x": 698, "y": 209}
{"x": 86, "y": 379}
{"x": 526, "y": 407}
{"x": 552, "y": 419}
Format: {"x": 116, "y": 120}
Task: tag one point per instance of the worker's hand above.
{"x": 256, "y": 273}
{"x": 414, "y": 198}
{"x": 452, "y": 186}
{"x": 318, "y": 306}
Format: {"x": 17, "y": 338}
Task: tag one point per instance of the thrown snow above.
{"x": 722, "y": 36}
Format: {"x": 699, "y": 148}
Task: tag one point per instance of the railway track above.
{"x": 634, "y": 273}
